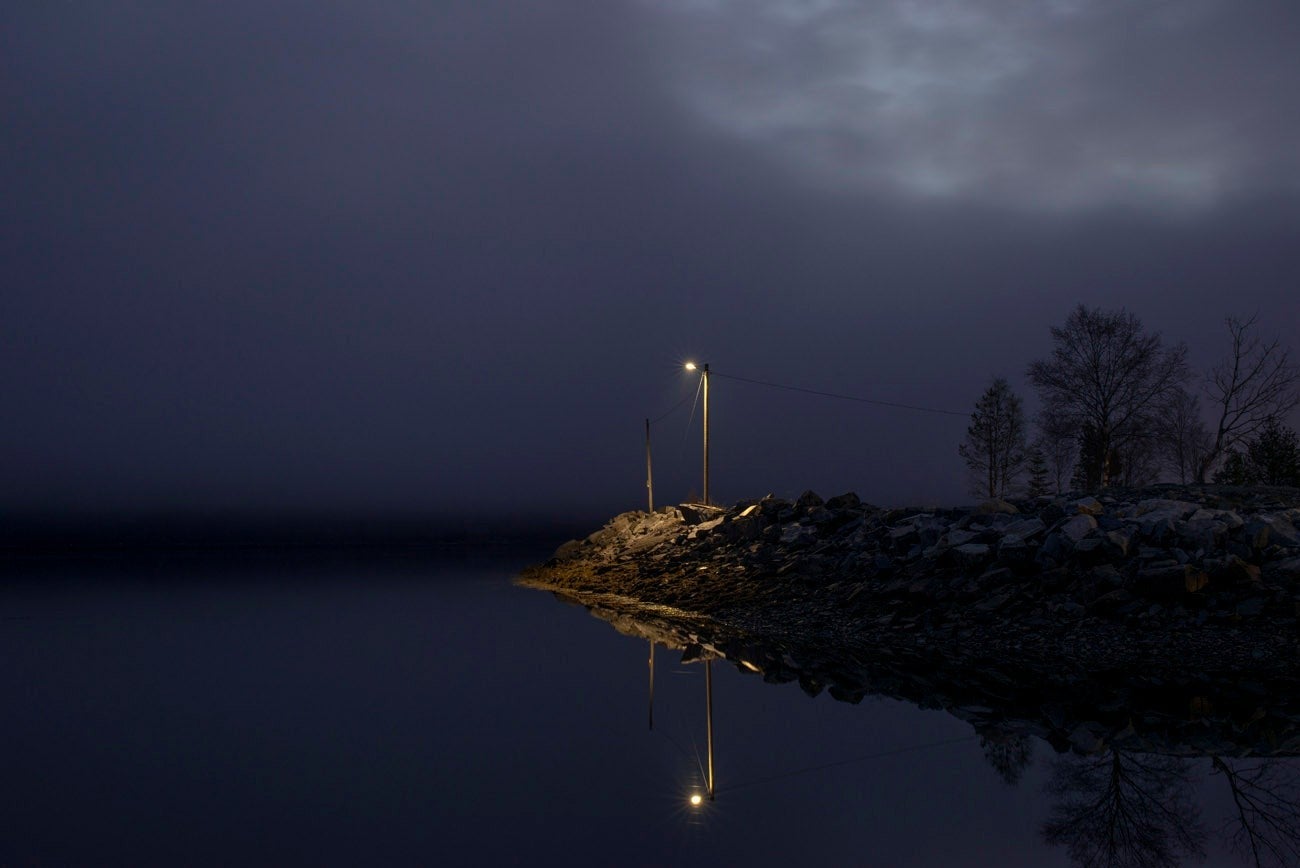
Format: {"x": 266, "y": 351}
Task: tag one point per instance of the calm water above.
{"x": 416, "y": 709}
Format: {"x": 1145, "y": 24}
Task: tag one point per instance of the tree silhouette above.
{"x": 1107, "y": 372}
{"x": 1265, "y": 827}
{"x": 1124, "y": 811}
{"x": 1255, "y": 383}
{"x": 994, "y": 448}
{"x": 1009, "y": 753}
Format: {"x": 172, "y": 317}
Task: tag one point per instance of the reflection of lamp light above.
{"x": 690, "y": 366}
{"x": 696, "y": 800}
{"x": 708, "y": 698}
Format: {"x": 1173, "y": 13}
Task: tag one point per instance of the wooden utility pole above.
{"x": 649, "y": 473}
{"x": 706, "y": 435}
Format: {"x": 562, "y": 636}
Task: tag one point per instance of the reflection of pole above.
{"x": 706, "y": 435}
{"x": 649, "y": 476}
{"x": 708, "y": 712}
{"x": 652, "y": 684}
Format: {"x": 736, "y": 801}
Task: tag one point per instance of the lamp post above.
{"x": 704, "y": 370}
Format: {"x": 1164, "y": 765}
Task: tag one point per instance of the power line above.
{"x": 857, "y": 759}
{"x": 673, "y": 409}
{"x": 841, "y": 397}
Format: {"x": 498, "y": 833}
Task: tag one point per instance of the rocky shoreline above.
{"x": 1176, "y": 582}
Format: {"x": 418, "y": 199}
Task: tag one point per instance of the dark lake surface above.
{"x": 407, "y": 707}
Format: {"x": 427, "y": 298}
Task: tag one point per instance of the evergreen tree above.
{"x": 1271, "y": 458}
{"x": 1040, "y": 477}
{"x": 994, "y": 449}
{"x": 1274, "y": 455}
{"x": 1236, "y": 470}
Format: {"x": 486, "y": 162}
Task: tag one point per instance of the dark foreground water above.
{"x": 407, "y": 708}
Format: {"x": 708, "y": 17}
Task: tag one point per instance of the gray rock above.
{"x": 742, "y": 529}
{"x": 996, "y": 506}
{"x": 957, "y": 538}
{"x": 1025, "y": 528}
{"x": 1255, "y": 533}
{"x": 797, "y": 534}
{"x": 569, "y": 550}
{"x": 971, "y": 555}
{"x": 1117, "y": 543}
{"x": 848, "y": 500}
{"x": 1282, "y": 531}
{"x": 1075, "y": 529}
{"x": 1203, "y": 534}
{"x": 904, "y": 535}
{"x": 1089, "y": 506}
{"x": 809, "y": 499}
{"x": 1055, "y": 547}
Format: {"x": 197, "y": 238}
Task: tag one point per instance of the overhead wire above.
{"x": 838, "y": 395}
{"x": 831, "y": 765}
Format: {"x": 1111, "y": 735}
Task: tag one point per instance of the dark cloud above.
{"x": 433, "y": 256}
{"x": 1045, "y": 106}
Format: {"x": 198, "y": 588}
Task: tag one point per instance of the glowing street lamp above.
{"x": 690, "y": 366}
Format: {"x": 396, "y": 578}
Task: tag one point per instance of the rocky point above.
{"x": 1170, "y": 578}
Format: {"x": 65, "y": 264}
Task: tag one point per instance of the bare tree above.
{"x": 1108, "y": 372}
{"x": 1124, "y": 811}
{"x": 1255, "y": 383}
{"x": 1059, "y": 441}
{"x": 1139, "y": 459}
{"x": 1184, "y": 439}
{"x": 994, "y": 448}
{"x": 1266, "y": 822}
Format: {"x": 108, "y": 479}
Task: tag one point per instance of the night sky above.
{"x": 443, "y": 258}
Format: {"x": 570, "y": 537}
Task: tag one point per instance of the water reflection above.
{"x": 1266, "y": 797}
{"x": 1119, "y": 809}
{"x": 1122, "y": 809}
{"x": 1134, "y": 752}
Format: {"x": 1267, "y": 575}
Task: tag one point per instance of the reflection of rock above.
{"x": 1178, "y": 714}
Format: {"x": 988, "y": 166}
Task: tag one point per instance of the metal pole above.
{"x": 649, "y": 474}
{"x": 708, "y": 716}
{"x": 706, "y": 435}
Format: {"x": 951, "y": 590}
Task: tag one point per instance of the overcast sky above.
{"x": 430, "y": 256}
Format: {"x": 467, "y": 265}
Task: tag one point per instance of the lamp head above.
{"x": 690, "y": 366}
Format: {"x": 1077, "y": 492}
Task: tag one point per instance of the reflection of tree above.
{"x": 1266, "y": 796}
{"x": 1009, "y": 753}
{"x": 1120, "y": 810}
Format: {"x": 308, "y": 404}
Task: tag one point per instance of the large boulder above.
{"x": 1075, "y": 529}
{"x": 848, "y": 500}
